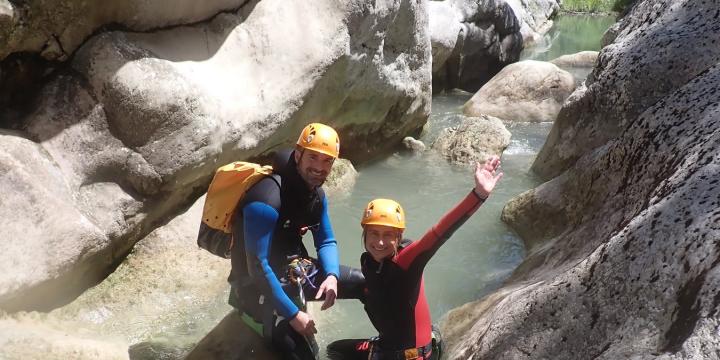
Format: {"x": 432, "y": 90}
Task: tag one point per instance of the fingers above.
{"x": 491, "y": 164}
{"x": 320, "y": 292}
{"x": 330, "y": 297}
{"x": 310, "y": 329}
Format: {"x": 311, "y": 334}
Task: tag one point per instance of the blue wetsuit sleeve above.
{"x": 325, "y": 243}
{"x": 259, "y": 223}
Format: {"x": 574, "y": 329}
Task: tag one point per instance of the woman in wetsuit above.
{"x": 394, "y": 293}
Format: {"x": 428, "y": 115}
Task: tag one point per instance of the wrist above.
{"x": 480, "y": 196}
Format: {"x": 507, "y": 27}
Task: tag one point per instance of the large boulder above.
{"x": 474, "y": 140}
{"x": 167, "y": 281}
{"x": 41, "y": 222}
{"x": 55, "y": 28}
{"x": 578, "y": 60}
{"x": 134, "y": 132}
{"x": 650, "y": 58}
{"x": 530, "y": 90}
{"x": 473, "y": 40}
{"x": 535, "y": 18}
{"x": 629, "y": 264}
{"x": 341, "y": 179}
{"x": 30, "y": 337}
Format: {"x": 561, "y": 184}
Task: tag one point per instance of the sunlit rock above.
{"x": 472, "y": 41}
{"x": 629, "y": 266}
{"x": 474, "y": 140}
{"x": 581, "y": 59}
{"x": 341, "y": 179}
{"x": 40, "y": 222}
{"x": 7, "y": 16}
{"x": 413, "y": 144}
{"x": 650, "y": 58}
{"x": 231, "y": 339}
{"x": 534, "y": 16}
{"x": 132, "y": 135}
{"x": 167, "y": 281}
{"x": 525, "y": 91}
{"x": 29, "y": 337}
{"x": 56, "y": 28}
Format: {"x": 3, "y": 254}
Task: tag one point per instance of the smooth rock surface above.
{"x": 55, "y": 28}
{"x": 132, "y": 135}
{"x": 474, "y": 140}
{"x": 413, "y": 144}
{"x": 660, "y": 46}
{"x": 472, "y": 41}
{"x": 530, "y": 90}
{"x": 156, "y": 283}
{"x": 624, "y": 245}
{"x": 535, "y": 18}
{"x": 580, "y": 59}
{"x": 342, "y": 178}
{"x": 27, "y": 337}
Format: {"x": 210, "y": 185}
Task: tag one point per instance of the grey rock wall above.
{"x": 474, "y": 40}
{"x": 55, "y": 28}
{"x": 132, "y": 133}
{"x": 624, "y": 244}
{"x": 660, "y": 46}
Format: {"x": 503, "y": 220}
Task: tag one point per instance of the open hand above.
{"x": 329, "y": 288}
{"x": 486, "y": 176}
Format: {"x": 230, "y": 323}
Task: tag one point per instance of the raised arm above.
{"x": 419, "y": 252}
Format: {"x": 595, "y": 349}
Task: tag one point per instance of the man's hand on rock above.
{"x": 304, "y": 324}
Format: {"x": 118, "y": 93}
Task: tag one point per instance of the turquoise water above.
{"x": 570, "y": 34}
{"x": 477, "y": 257}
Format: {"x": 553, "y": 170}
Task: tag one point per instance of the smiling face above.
{"x": 381, "y": 241}
{"x": 313, "y": 167}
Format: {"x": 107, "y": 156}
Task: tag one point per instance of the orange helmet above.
{"x": 320, "y": 138}
{"x": 384, "y": 212}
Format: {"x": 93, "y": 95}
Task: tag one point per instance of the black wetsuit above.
{"x": 275, "y": 213}
{"x": 395, "y": 296}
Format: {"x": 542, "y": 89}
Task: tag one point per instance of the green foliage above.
{"x": 621, "y": 5}
{"x": 595, "y": 6}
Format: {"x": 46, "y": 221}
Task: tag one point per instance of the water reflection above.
{"x": 570, "y": 34}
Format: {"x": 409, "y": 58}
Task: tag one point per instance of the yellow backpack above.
{"x": 227, "y": 188}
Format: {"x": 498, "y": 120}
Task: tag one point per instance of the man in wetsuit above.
{"x": 272, "y": 273}
{"x": 394, "y": 295}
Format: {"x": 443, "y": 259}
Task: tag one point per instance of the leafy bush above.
{"x": 595, "y": 6}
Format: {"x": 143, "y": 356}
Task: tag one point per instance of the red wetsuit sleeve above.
{"x": 419, "y": 252}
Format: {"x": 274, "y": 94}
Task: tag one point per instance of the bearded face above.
{"x": 313, "y": 167}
